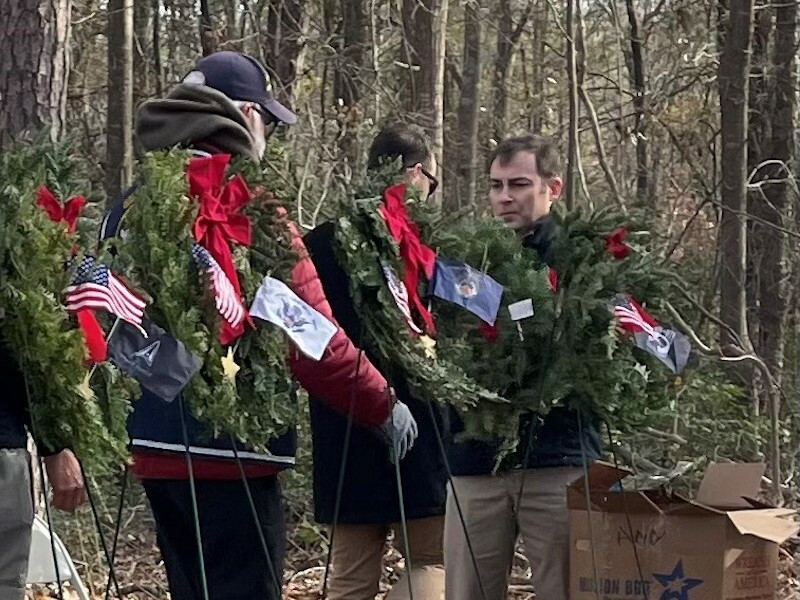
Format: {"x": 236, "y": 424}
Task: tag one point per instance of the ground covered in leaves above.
{"x": 141, "y": 574}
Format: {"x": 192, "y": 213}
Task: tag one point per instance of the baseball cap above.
{"x": 242, "y": 77}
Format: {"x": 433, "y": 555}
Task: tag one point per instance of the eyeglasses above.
{"x": 434, "y": 182}
{"x": 271, "y": 124}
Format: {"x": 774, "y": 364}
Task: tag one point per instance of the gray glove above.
{"x": 399, "y": 431}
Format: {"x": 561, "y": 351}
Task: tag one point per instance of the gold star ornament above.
{"x": 229, "y": 366}
{"x": 429, "y": 345}
{"x": 84, "y": 389}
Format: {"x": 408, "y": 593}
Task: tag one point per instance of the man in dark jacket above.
{"x": 16, "y": 502}
{"x": 369, "y": 504}
{"x": 225, "y": 106}
{"x": 528, "y": 496}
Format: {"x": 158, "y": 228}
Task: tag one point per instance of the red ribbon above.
{"x": 92, "y": 333}
{"x": 219, "y": 221}
{"x": 93, "y": 337}
{"x": 615, "y": 243}
{"x": 417, "y": 257}
{"x": 68, "y": 213}
{"x": 489, "y": 332}
{"x": 552, "y": 279}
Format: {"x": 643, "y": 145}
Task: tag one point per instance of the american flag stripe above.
{"x": 627, "y": 315}
{"x": 95, "y": 286}
{"x": 227, "y": 301}
{"x": 400, "y": 295}
{"x": 228, "y": 305}
{"x": 116, "y": 299}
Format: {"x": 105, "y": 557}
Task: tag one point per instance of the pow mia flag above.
{"x": 669, "y": 346}
{"x": 159, "y": 362}
{"x": 469, "y": 288}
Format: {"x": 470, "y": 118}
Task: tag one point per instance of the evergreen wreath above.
{"x": 568, "y": 352}
{"x": 363, "y": 243}
{"x": 65, "y": 411}
{"x": 258, "y": 403}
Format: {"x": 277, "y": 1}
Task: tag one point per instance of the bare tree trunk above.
{"x": 602, "y": 156}
{"x": 34, "y": 44}
{"x": 424, "y": 29}
{"x": 141, "y": 55}
{"x": 637, "y": 72}
{"x": 231, "y": 26}
{"x": 354, "y": 64}
{"x": 157, "y": 68}
{"x": 570, "y": 182}
{"x": 757, "y": 149}
{"x": 772, "y": 289}
{"x": 538, "y": 77}
{"x": 119, "y": 140}
{"x": 465, "y": 137}
{"x": 508, "y": 35}
{"x": 733, "y": 74}
{"x": 283, "y": 44}
{"x": 354, "y": 55}
{"x": 208, "y": 37}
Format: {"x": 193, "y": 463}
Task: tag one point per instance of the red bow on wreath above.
{"x": 615, "y": 243}
{"x": 219, "y": 221}
{"x": 68, "y": 213}
{"x": 417, "y": 257}
{"x": 92, "y": 333}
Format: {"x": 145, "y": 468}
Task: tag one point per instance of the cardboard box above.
{"x": 653, "y": 545}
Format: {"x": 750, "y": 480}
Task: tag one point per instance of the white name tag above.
{"x": 521, "y": 310}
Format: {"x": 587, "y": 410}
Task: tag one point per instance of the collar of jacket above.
{"x": 540, "y": 238}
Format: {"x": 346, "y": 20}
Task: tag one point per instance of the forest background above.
{"x": 685, "y": 109}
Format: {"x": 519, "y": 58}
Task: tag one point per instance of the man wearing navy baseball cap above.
{"x": 225, "y": 104}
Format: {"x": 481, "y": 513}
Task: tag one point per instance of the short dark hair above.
{"x": 400, "y": 140}
{"x": 548, "y": 161}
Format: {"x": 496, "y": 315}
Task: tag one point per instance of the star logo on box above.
{"x": 676, "y": 585}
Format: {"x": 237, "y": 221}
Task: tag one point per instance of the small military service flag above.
{"x": 667, "y": 345}
{"x": 469, "y": 288}
{"x": 310, "y": 331}
{"x": 159, "y": 362}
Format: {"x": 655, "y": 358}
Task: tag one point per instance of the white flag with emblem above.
{"x": 308, "y": 329}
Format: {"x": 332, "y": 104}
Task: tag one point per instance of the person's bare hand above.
{"x": 64, "y": 473}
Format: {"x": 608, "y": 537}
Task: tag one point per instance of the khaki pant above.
{"x": 16, "y": 519}
{"x": 358, "y": 554}
{"x": 495, "y": 515}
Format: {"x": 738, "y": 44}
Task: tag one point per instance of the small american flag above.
{"x": 229, "y": 305}
{"x": 634, "y": 319}
{"x": 400, "y": 295}
{"x": 94, "y": 286}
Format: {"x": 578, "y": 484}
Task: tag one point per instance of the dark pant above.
{"x": 235, "y": 565}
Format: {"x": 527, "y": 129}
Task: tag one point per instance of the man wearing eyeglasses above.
{"x": 369, "y": 506}
{"x": 224, "y": 105}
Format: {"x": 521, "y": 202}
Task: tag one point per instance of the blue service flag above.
{"x": 469, "y": 288}
{"x": 159, "y": 362}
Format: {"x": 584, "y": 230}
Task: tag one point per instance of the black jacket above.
{"x": 370, "y": 492}
{"x": 13, "y": 405}
{"x": 562, "y": 438}
{"x": 14, "y": 414}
